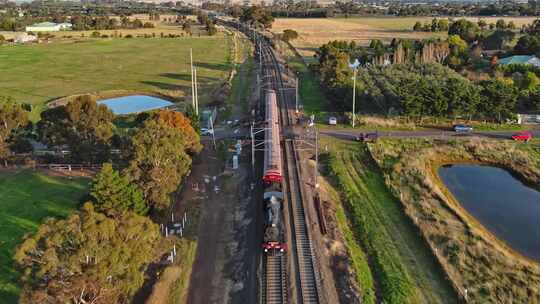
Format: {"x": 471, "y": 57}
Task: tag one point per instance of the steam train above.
{"x": 274, "y": 239}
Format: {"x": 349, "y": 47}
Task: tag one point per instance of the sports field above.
{"x": 26, "y": 199}
{"x": 316, "y": 31}
{"x": 38, "y": 73}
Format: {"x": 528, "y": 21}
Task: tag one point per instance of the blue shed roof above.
{"x": 521, "y": 59}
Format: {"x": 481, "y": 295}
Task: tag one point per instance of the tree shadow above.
{"x": 167, "y": 86}
{"x": 213, "y": 66}
{"x": 186, "y": 77}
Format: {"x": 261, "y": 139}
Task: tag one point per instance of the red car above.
{"x": 522, "y": 136}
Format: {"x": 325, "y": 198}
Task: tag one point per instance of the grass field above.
{"x": 480, "y": 266}
{"x": 316, "y": 31}
{"x": 241, "y": 83}
{"x": 26, "y": 198}
{"x": 38, "y": 73}
{"x": 402, "y": 265}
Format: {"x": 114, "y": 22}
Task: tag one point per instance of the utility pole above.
{"x": 354, "y": 66}
{"x": 213, "y": 133}
{"x": 316, "y": 159}
{"x": 260, "y": 56}
{"x": 252, "y": 148}
{"x": 353, "y": 97}
{"x": 192, "y": 80}
{"x": 196, "y": 93}
{"x": 296, "y": 96}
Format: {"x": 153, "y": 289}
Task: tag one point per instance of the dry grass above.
{"x": 472, "y": 257}
{"x": 173, "y": 284}
{"x": 406, "y": 23}
{"x": 160, "y": 27}
{"x": 316, "y": 31}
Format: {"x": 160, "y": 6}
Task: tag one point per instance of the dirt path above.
{"x": 225, "y": 269}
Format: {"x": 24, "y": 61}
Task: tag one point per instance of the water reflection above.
{"x": 501, "y": 202}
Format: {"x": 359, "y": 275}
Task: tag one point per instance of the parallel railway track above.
{"x": 308, "y": 290}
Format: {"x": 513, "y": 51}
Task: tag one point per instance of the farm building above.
{"x": 521, "y": 59}
{"x": 49, "y": 27}
{"x": 24, "y": 38}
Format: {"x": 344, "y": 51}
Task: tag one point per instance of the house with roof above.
{"x": 521, "y": 59}
{"x": 49, "y": 27}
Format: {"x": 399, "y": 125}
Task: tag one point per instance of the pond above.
{"x": 134, "y": 104}
{"x": 502, "y": 203}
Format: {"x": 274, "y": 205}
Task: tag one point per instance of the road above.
{"x": 351, "y": 134}
{"x": 240, "y": 133}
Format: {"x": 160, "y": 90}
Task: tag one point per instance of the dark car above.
{"x": 460, "y": 128}
{"x": 367, "y": 137}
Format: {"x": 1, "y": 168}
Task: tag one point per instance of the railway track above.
{"x": 275, "y": 280}
{"x": 308, "y": 289}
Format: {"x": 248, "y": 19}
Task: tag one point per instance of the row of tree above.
{"x": 436, "y": 25}
{"x": 100, "y": 253}
{"x": 83, "y": 22}
{"x": 421, "y": 87}
{"x": 257, "y": 16}
{"x": 209, "y": 24}
{"x": 530, "y": 42}
{"x": 155, "y": 155}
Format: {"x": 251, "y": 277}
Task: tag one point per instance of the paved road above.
{"x": 351, "y": 134}
{"x": 223, "y": 133}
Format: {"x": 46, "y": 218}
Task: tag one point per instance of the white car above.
{"x": 205, "y": 131}
{"x": 332, "y": 121}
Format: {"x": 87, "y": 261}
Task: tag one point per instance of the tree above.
{"x": 434, "y": 25}
{"x": 12, "y": 118}
{"x": 257, "y": 16}
{"x": 482, "y": 24}
{"x": 289, "y": 35}
{"x": 528, "y": 44}
{"x": 498, "y": 40}
{"x": 113, "y": 194}
{"x": 186, "y": 26}
{"x": 456, "y": 42}
{"x": 202, "y": 18}
{"x": 211, "y": 28}
{"x": 83, "y": 125}
{"x": 417, "y": 26}
{"x": 87, "y": 258}
{"x": 465, "y": 29}
{"x": 500, "y": 24}
{"x": 157, "y": 161}
{"x": 193, "y": 118}
{"x": 443, "y": 25}
{"x": 235, "y": 11}
{"x": 183, "y": 124}
{"x": 499, "y": 99}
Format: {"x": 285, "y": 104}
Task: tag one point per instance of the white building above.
{"x": 24, "y": 38}
{"x": 49, "y": 27}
